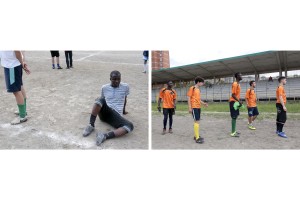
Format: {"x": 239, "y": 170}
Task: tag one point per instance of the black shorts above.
{"x": 112, "y": 117}
{"x": 233, "y": 113}
{"x": 252, "y": 111}
{"x": 196, "y": 112}
{"x": 13, "y": 78}
{"x": 168, "y": 111}
{"x": 54, "y": 54}
{"x": 281, "y": 114}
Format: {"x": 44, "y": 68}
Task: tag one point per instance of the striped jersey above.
{"x": 115, "y": 96}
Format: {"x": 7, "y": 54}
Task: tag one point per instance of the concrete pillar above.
{"x": 280, "y": 72}
{"x": 285, "y": 73}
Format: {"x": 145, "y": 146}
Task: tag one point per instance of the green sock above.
{"x": 25, "y": 105}
{"x": 233, "y": 125}
{"x": 22, "y": 111}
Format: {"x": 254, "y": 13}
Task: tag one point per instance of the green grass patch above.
{"x": 263, "y": 107}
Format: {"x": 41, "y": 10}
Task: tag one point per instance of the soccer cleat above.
{"x": 18, "y": 120}
{"x": 164, "y": 131}
{"x": 100, "y": 137}
{"x": 235, "y": 134}
{"x": 53, "y": 67}
{"x": 200, "y": 140}
{"x": 59, "y": 67}
{"x": 88, "y": 130}
{"x": 282, "y": 134}
{"x": 251, "y": 127}
{"x": 170, "y": 130}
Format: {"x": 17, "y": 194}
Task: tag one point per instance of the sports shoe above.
{"x": 235, "y": 134}
{"x": 18, "y": 120}
{"x": 100, "y": 137}
{"x": 67, "y": 67}
{"x": 164, "y": 131}
{"x": 251, "y": 127}
{"x": 59, "y": 67}
{"x": 53, "y": 67}
{"x": 277, "y": 132}
{"x": 170, "y": 130}
{"x": 88, "y": 130}
{"x": 282, "y": 134}
{"x": 200, "y": 140}
{"x": 71, "y": 66}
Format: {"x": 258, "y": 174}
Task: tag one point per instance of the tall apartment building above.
{"x": 160, "y": 59}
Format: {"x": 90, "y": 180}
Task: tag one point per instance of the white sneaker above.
{"x": 17, "y": 113}
{"x": 18, "y": 120}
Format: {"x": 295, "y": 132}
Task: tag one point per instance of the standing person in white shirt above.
{"x": 14, "y": 63}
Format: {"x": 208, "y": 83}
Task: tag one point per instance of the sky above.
{"x": 181, "y": 57}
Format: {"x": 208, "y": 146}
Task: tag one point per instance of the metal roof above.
{"x": 262, "y": 62}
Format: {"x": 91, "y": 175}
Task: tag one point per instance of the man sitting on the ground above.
{"x": 110, "y": 107}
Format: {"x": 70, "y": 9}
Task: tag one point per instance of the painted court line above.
{"x": 56, "y": 137}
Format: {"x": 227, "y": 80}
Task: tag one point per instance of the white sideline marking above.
{"x": 91, "y": 55}
{"x": 59, "y": 138}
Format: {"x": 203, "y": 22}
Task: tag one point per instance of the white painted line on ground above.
{"x": 56, "y": 137}
{"x": 83, "y": 58}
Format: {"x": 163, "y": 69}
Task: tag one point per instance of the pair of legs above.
{"x": 55, "y": 54}
{"x": 69, "y": 59}
{"x": 280, "y": 120}
{"x": 168, "y": 113}
{"x": 234, "y": 115}
{"x": 145, "y": 64}
{"x": 109, "y": 116}
{"x": 14, "y": 84}
{"x": 252, "y": 114}
{"x": 196, "y": 113}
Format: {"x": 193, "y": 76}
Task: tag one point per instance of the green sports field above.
{"x": 263, "y": 107}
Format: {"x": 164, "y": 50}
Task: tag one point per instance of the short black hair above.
{"x": 280, "y": 78}
{"x": 115, "y": 72}
{"x": 199, "y": 79}
{"x": 236, "y": 74}
{"x": 251, "y": 82}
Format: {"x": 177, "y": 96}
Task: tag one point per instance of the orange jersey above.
{"x": 280, "y": 92}
{"x": 195, "y": 97}
{"x": 168, "y": 97}
{"x": 236, "y": 90}
{"x": 251, "y": 97}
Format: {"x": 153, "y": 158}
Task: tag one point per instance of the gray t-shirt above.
{"x": 115, "y": 97}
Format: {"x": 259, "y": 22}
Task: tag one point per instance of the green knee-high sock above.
{"x": 22, "y": 111}
{"x": 233, "y": 125}
{"x": 25, "y": 105}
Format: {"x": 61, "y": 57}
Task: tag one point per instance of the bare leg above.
{"x": 23, "y": 92}
{"x": 53, "y": 61}
{"x": 19, "y": 97}
{"x": 249, "y": 120}
{"x": 57, "y": 60}
{"x": 254, "y": 117}
{"x": 119, "y": 132}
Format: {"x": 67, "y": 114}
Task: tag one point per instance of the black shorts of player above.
{"x": 54, "y": 54}
{"x": 168, "y": 111}
{"x": 233, "y": 113}
{"x": 196, "y": 112}
{"x": 281, "y": 114}
{"x": 13, "y": 78}
{"x": 112, "y": 117}
{"x": 253, "y": 111}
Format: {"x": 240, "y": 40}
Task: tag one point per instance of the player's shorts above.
{"x": 253, "y": 111}
{"x": 13, "y": 78}
{"x": 145, "y": 57}
{"x": 281, "y": 114}
{"x": 233, "y": 113}
{"x": 112, "y": 117}
{"x": 168, "y": 111}
{"x": 54, "y": 54}
{"x": 196, "y": 112}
